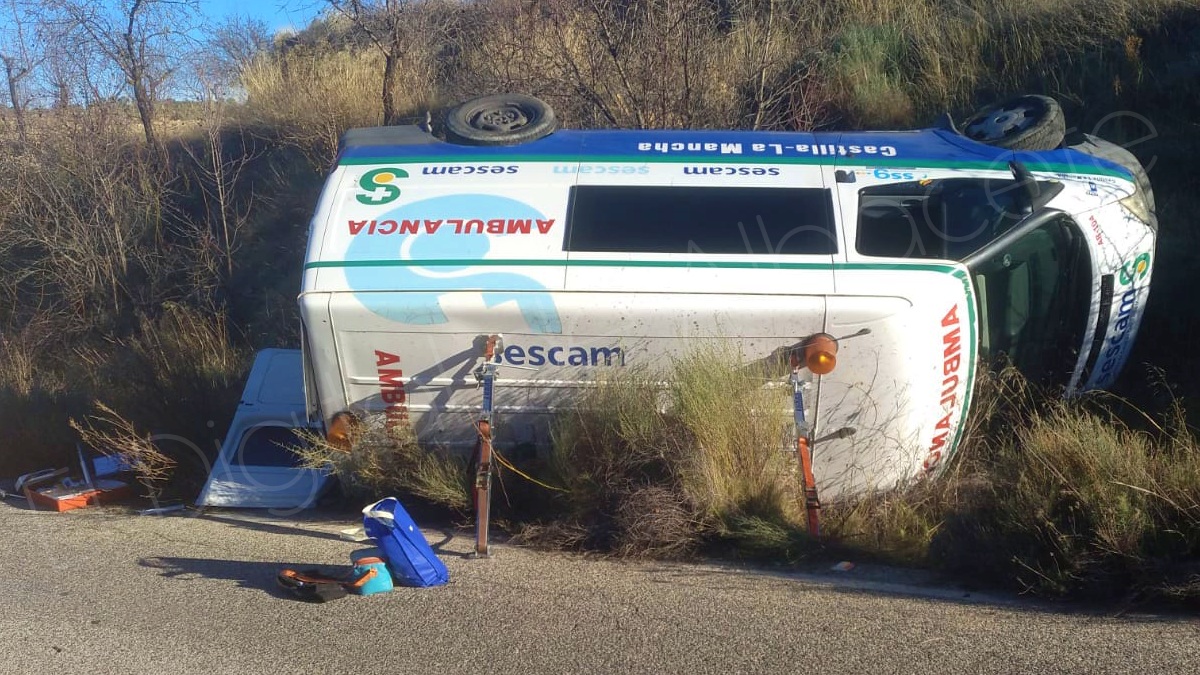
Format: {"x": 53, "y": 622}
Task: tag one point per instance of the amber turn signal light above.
{"x": 340, "y": 434}
{"x": 820, "y": 353}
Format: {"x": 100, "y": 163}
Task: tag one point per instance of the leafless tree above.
{"x": 213, "y": 240}
{"x": 239, "y": 41}
{"x": 664, "y": 63}
{"x": 389, "y": 25}
{"x": 142, "y": 39}
{"x": 71, "y": 72}
{"x": 230, "y": 47}
{"x": 18, "y": 60}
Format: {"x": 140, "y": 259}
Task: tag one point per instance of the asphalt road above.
{"x": 103, "y": 592}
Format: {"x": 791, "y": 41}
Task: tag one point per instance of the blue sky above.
{"x": 277, "y": 14}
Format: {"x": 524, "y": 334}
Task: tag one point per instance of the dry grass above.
{"x": 679, "y": 64}
{"x": 741, "y": 64}
{"x": 660, "y": 463}
{"x": 384, "y": 461}
{"x": 607, "y": 452}
{"x": 1051, "y": 497}
{"x": 213, "y": 361}
{"x": 1079, "y": 503}
{"x": 740, "y": 464}
{"x": 97, "y": 303}
{"x": 310, "y": 96}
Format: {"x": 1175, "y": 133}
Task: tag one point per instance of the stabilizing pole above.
{"x": 485, "y": 374}
{"x": 812, "y": 503}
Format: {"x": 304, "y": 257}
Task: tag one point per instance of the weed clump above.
{"x": 384, "y": 460}
{"x": 1078, "y": 502}
{"x": 620, "y": 447}
{"x": 663, "y": 463}
{"x": 1060, "y": 498}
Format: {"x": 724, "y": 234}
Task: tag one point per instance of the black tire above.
{"x": 1022, "y": 123}
{"x": 501, "y": 119}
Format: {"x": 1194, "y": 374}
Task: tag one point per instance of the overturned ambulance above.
{"x": 917, "y": 255}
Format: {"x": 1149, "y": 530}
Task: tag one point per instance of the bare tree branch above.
{"x": 142, "y": 39}
{"x": 390, "y": 25}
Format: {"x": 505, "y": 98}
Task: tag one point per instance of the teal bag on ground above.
{"x": 370, "y": 576}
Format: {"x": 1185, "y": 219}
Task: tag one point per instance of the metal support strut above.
{"x": 485, "y": 374}
{"x": 812, "y": 503}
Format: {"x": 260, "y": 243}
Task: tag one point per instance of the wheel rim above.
{"x": 506, "y": 118}
{"x": 1004, "y": 122}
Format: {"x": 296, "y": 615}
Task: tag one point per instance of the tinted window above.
{"x": 269, "y": 446}
{"x": 647, "y": 219}
{"x": 947, "y": 219}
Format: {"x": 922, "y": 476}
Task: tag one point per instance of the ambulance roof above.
{"x": 928, "y": 148}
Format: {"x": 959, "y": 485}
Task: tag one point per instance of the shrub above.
{"x": 309, "y": 97}
{"x": 110, "y": 433}
{"x": 383, "y": 461}
{"x": 617, "y": 442}
{"x": 1049, "y": 496}
{"x": 659, "y": 463}
{"x": 1078, "y": 502}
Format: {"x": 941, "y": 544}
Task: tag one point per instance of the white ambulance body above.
{"x": 923, "y": 253}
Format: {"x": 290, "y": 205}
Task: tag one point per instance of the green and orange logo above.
{"x": 1135, "y": 270}
{"x": 378, "y": 186}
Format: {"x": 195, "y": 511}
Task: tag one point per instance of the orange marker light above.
{"x": 820, "y": 353}
{"x": 341, "y": 431}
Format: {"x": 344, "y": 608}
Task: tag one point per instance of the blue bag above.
{"x": 409, "y": 557}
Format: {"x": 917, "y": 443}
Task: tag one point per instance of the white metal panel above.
{"x": 273, "y": 398}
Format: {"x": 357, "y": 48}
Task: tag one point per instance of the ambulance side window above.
{"x": 688, "y": 219}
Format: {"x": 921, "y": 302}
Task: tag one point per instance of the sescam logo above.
{"x": 892, "y": 174}
{"x": 540, "y": 355}
{"x": 377, "y": 187}
{"x": 730, "y": 171}
{"x": 1135, "y": 270}
{"x": 1120, "y": 339}
{"x": 1116, "y": 347}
